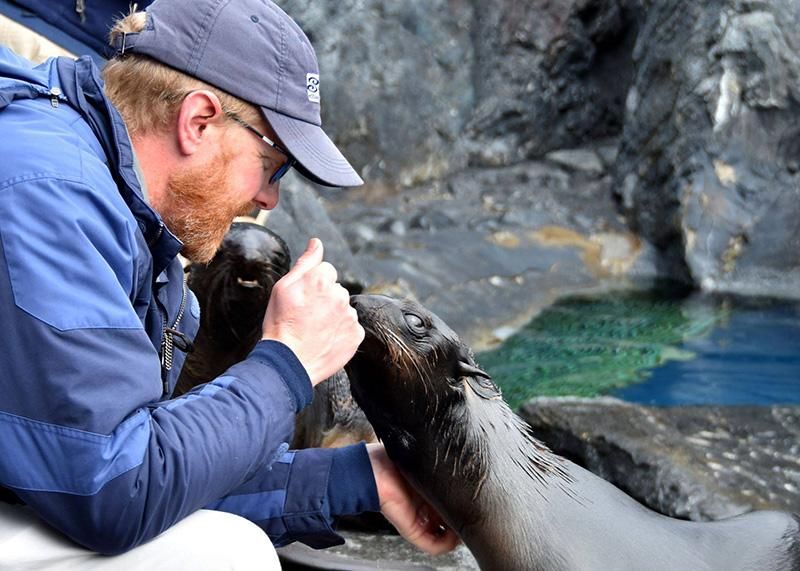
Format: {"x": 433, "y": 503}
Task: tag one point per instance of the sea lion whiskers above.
{"x": 401, "y": 354}
{"x": 273, "y": 272}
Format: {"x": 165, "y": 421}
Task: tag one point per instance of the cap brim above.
{"x": 319, "y": 159}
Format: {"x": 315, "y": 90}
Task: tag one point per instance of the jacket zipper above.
{"x": 168, "y": 340}
{"x": 80, "y": 8}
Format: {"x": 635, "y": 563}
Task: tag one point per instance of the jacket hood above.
{"x": 77, "y": 83}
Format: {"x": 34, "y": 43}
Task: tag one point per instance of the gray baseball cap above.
{"x": 253, "y": 50}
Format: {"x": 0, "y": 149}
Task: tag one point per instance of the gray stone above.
{"x": 608, "y": 154}
{"x": 577, "y": 159}
{"x": 368, "y": 551}
{"x": 707, "y": 170}
{"x": 488, "y": 248}
{"x": 707, "y": 94}
{"x": 412, "y": 91}
{"x": 396, "y": 82}
{"x": 695, "y": 462}
{"x": 549, "y": 75}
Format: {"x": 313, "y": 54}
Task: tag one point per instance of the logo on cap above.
{"x": 312, "y": 87}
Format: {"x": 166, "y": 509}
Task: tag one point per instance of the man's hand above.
{"x": 414, "y": 518}
{"x": 310, "y": 313}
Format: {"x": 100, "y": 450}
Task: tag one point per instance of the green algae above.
{"x": 587, "y": 346}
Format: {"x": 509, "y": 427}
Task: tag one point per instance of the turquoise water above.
{"x": 662, "y": 347}
{"x": 750, "y": 357}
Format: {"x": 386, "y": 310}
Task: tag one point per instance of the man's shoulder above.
{"x": 40, "y": 139}
{"x": 64, "y": 223}
{"x": 52, "y": 173}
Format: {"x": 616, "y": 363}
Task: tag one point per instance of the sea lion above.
{"x": 333, "y": 419}
{"x": 232, "y": 290}
{"x": 515, "y": 504}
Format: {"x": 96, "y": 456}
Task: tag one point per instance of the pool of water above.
{"x": 662, "y": 347}
{"x": 752, "y": 356}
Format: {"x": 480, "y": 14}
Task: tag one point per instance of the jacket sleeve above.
{"x": 300, "y": 492}
{"x": 84, "y": 438}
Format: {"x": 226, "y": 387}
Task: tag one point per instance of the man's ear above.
{"x": 199, "y": 110}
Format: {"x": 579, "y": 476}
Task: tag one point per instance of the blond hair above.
{"x": 148, "y": 93}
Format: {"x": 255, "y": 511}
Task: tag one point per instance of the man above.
{"x": 217, "y": 100}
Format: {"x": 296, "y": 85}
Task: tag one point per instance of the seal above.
{"x": 333, "y": 419}
{"x": 232, "y": 290}
{"x": 514, "y": 503}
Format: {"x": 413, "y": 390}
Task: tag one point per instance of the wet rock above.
{"x": 608, "y": 154}
{"x": 396, "y": 227}
{"x": 358, "y": 235}
{"x": 695, "y": 462}
{"x": 431, "y": 221}
{"x": 707, "y": 93}
{"x": 473, "y": 250}
{"x": 707, "y": 167}
{"x": 368, "y": 551}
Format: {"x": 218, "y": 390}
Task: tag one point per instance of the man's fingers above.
{"x": 429, "y": 532}
{"x": 324, "y": 274}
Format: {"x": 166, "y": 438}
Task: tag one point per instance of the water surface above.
{"x": 662, "y": 347}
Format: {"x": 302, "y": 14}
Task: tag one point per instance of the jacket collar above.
{"x": 82, "y": 87}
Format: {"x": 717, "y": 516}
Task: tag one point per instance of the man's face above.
{"x": 201, "y": 202}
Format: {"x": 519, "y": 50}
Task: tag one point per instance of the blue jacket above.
{"x": 89, "y": 280}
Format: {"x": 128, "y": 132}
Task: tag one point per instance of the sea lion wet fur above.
{"x": 515, "y": 504}
{"x": 333, "y": 419}
{"x": 233, "y": 290}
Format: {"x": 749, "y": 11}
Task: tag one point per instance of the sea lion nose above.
{"x": 368, "y": 301}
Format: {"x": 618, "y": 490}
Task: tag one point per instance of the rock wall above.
{"x": 703, "y": 99}
{"x": 415, "y": 90}
{"x": 549, "y": 75}
{"x": 395, "y": 81}
{"x": 709, "y": 161}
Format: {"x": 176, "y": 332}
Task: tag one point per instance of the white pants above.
{"x": 206, "y": 540}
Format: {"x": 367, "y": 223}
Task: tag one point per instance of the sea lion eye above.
{"x": 414, "y": 321}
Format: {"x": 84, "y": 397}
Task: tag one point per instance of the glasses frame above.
{"x": 290, "y": 160}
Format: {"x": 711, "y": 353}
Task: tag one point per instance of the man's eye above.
{"x": 268, "y": 163}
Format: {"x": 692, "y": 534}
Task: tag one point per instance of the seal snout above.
{"x": 368, "y": 305}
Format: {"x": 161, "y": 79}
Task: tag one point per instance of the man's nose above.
{"x": 267, "y": 197}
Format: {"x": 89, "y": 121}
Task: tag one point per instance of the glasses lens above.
{"x": 282, "y": 170}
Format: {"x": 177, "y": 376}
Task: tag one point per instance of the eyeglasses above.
{"x": 290, "y": 160}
